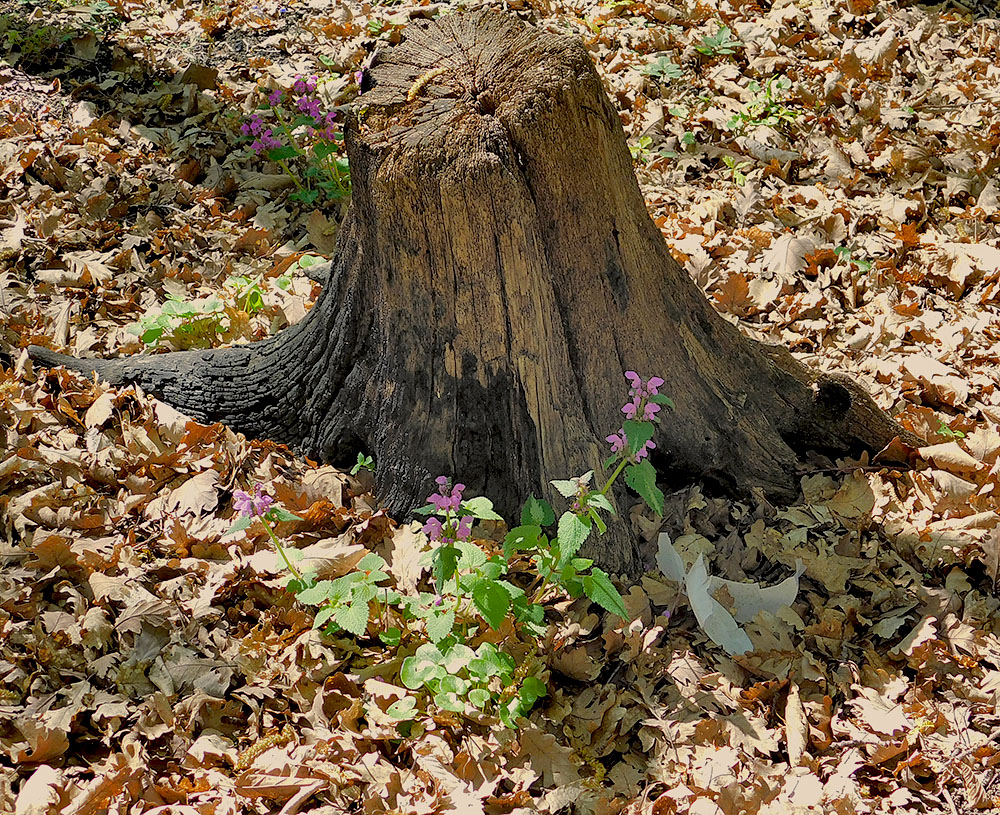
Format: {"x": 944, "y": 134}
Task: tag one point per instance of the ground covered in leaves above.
{"x": 826, "y": 171}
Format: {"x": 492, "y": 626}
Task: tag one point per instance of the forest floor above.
{"x": 827, "y": 172}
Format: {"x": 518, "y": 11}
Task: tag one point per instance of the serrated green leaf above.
{"x": 567, "y": 489}
{"x": 660, "y": 399}
{"x": 638, "y": 433}
{"x": 239, "y": 524}
{"x": 318, "y": 594}
{"x": 440, "y": 626}
{"x": 598, "y": 500}
{"x": 322, "y": 149}
{"x": 482, "y": 508}
{"x": 519, "y": 538}
{"x": 537, "y": 512}
{"x": 282, "y": 153}
{"x": 445, "y": 561}
{"x": 573, "y": 531}
{"x": 641, "y": 477}
{"x": 323, "y": 615}
{"x": 492, "y": 601}
{"x": 370, "y": 562}
{"x": 599, "y": 588}
{"x": 353, "y": 618}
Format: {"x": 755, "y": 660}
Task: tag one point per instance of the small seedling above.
{"x": 765, "y": 108}
{"x": 722, "y": 43}
{"x": 663, "y": 69}
{"x": 364, "y": 463}
{"x": 736, "y": 169}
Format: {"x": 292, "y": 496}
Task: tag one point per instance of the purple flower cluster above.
{"x": 266, "y": 140}
{"x": 638, "y": 408}
{"x": 446, "y": 500}
{"x": 251, "y": 505}
{"x": 639, "y": 392}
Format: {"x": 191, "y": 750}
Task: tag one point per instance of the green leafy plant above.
{"x": 294, "y": 130}
{"x": 205, "y": 321}
{"x": 766, "y": 107}
{"x": 474, "y": 594}
{"x": 946, "y": 432}
{"x": 857, "y": 264}
{"x": 722, "y": 43}
{"x": 736, "y": 169}
{"x": 363, "y": 463}
{"x": 663, "y": 69}
{"x": 186, "y": 323}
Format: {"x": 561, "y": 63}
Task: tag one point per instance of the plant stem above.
{"x": 614, "y": 475}
{"x": 291, "y": 175}
{"x": 278, "y": 546}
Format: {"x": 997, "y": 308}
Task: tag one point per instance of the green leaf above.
{"x": 391, "y": 636}
{"x": 282, "y": 153}
{"x": 370, "y": 562}
{"x": 449, "y": 701}
{"x": 353, "y": 618}
{"x": 566, "y": 488}
{"x": 601, "y": 590}
{"x": 638, "y": 433}
{"x": 478, "y": 698}
{"x": 445, "y": 562}
{"x": 493, "y": 602}
{"x": 573, "y": 531}
{"x": 457, "y": 657}
{"x": 537, "y": 512}
{"x": 418, "y": 670}
{"x": 281, "y": 514}
{"x": 454, "y": 684}
{"x": 532, "y": 689}
{"x": 323, "y": 615}
{"x": 402, "y": 709}
{"x": 318, "y": 594}
{"x": 239, "y": 525}
{"x": 598, "y": 500}
{"x": 641, "y": 477}
{"x": 660, "y": 399}
{"x": 322, "y": 149}
{"x": 481, "y": 508}
{"x": 528, "y": 536}
{"x": 440, "y": 626}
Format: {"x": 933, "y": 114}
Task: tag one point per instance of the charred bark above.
{"x": 495, "y": 276}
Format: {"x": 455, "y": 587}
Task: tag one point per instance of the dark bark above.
{"x": 496, "y": 275}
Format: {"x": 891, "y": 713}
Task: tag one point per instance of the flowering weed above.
{"x": 475, "y": 616}
{"x": 293, "y": 129}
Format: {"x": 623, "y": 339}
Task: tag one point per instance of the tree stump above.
{"x": 495, "y": 276}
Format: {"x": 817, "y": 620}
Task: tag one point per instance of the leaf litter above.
{"x": 150, "y": 663}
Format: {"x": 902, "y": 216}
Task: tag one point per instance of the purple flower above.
{"x": 631, "y": 410}
{"x": 250, "y": 505}
{"x": 443, "y": 500}
{"x": 634, "y": 380}
{"x": 304, "y": 85}
{"x": 252, "y": 125}
{"x": 359, "y": 76}
{"x": 652, "y": 385}
{"x": 433, "y": 529}
{"x": 465, "y": 528}
{"x": 649, "y": 411}
{"x": 274, "y": 97}
{"x": 644, "y": 451}
{"x": 617, "y": 441}
{"x": 310, "y": 106}
{"x": 265, "y": 142}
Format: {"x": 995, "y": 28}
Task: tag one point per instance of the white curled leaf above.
{"x": 667, "y": 559}
{"x": 749, "y": 599}
{"x": 717, "y": 623}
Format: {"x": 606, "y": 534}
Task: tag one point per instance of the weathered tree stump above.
{"x": 495, "y": 276}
